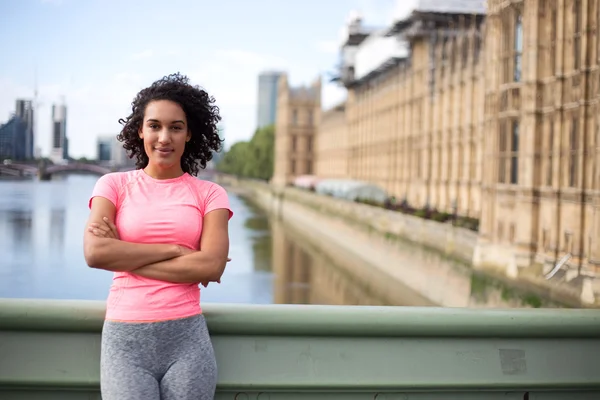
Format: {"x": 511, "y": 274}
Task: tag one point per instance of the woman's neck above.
{"x": 160, "y": 173}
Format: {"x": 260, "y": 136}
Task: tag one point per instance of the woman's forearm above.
{"x": 117, "y": 255}
{"x": 195, "y": 267}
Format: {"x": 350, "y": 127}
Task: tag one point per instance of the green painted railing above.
{"x": 50, "y": 350}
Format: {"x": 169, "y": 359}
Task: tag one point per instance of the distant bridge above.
{"x": 78, "y": 167}
{"x": 45, "y": 172}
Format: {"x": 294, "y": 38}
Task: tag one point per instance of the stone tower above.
{"x": 298, "y": 114}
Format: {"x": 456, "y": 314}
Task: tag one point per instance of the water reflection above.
{"x": 260, "y": 233}
{"x": 56, "y": 227}
{"x": 21, "y": 223}
{"x": 41, "y": 227}
{"x": 306, "y": 274}
{"x": 310, "y": 269}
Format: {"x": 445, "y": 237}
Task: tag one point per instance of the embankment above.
{"x": 381, "y": 238}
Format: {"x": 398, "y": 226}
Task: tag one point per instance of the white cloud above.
{"x": 231, "y": 76}
{"x": 93, "y": 109}
{"x": 142, "y": 54}
{"x": 328, "y": 46}
{"x": 403, "y": 8}
{"x": 332, "y": 95}
{"x": 251, "y": 59}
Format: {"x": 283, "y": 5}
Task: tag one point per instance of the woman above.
{"x": 162, "y": 231}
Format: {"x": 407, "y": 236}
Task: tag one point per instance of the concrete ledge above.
{"x": 323, "y": 321}
{"x": 455, "y": 242}
{"x": 51, "y": 349}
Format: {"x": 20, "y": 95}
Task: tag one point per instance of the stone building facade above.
{"x": 331, "y": 144}
{"x": 409, "y": 129}
{"x": 492, "y": 113}
{"x": 296, "y": 122}
{"x": 541, "y": 193}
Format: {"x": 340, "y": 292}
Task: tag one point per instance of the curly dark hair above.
{"x": 201, "y": 113}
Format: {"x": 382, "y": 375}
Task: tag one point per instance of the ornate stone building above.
{"x": 412, "y": 117}
{"x": 540, "y": 194}
{"x": 297, "y": 118}
{"x": 492, "y": 110}
{"x": 331, "y": 144}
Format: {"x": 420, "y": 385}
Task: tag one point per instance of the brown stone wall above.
{"x": 331, "y": 145}
{"x": 500, "y": 122}
{"x": 542, "y": 190}
{"x": 298, "y": 116}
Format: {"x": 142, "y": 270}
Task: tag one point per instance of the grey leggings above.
{"x": 163, "y": 360}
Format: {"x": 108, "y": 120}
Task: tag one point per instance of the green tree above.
{"x": 233, "y": 160}
{"x": 253, "y": 159}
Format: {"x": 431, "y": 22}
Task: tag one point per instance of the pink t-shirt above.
{"x": 157, "y": 211}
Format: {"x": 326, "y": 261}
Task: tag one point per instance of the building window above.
{"x": 476, "y": 47}
{"x": 568, "y": 245}
{"x": 310, "y": 118}
{"x": 294, "y": 117}
{"x": 514, "y": 157}
{"x": 553, "y": 41}
{"x": 506, "y": 49}
{"x": 577, "y": 34}
{"x": 550, "y": 161}
{"x": 573, "y": 149}
{"x": 465, "y": 51}
{"x": 508, "y": 153}
{"x": 309, "y": 145}
{"x": 518, "y": 48}
{"x": 444, "y": 56}
{"x": 453, "y": 50}
{"x": 294, "y": 143}
{"x": 502, "y": 147}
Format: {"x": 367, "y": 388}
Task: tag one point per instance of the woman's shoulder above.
{"x": 205, "y": 187}
{"x": 118, "y": 178}
{"x": 210, "y": 195}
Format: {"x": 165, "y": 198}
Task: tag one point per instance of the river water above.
{"x": 41, "y": 250}
{"x": 41, "y": 256}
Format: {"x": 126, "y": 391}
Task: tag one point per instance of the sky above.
{"x": 95, "y": 55}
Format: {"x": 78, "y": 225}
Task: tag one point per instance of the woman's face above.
{"x": 165, "y": 132}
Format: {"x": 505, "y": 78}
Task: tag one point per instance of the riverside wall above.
{"x": 350, "y": 225}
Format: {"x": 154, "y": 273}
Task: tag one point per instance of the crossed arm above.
{"x": 104, "y": 250}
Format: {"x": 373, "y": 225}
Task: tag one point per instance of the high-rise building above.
{"x": 119, "y": 156}
{"x": 60, "y": 145}
{"x": 104, "y": 148}
{"x": 267, "y": 98}
{"x": 12, "y": 139}
{"x": 24, "y": 110}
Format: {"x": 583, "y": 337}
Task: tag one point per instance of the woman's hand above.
{"x": 205, "y": 284}
{"x": 107, "y": 229}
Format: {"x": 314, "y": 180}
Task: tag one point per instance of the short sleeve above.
{"x": 217, "y": 198}
{"x": 107, "y": 187}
